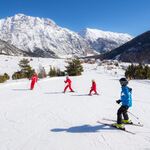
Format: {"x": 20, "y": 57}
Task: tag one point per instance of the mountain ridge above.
{"x": 104, "y": 41}
{"x": 42, "y": 37}
{"x": 136, "y": 50}
{"x": 8, "y": 49}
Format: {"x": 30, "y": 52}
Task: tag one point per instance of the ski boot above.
{"x": 127, "y": 121}
{"x": 72, "y": 91}
{"x": 96, "y": 94}
{"x": 119, "y": 126}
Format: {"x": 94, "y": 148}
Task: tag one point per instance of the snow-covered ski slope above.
{"x": 47, "y": 119}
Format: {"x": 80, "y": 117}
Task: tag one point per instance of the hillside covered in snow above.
{"x": 104, "y": 41}
{"x": 42, "y": 37}
{"x": 137, "y": 50}
{"x": 9, "y": 49}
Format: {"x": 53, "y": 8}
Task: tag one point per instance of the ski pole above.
{"x": 133, "y": 115}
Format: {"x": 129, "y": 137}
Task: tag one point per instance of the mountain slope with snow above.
{"x": 137, "y": 50}
{"x": 8, "y": 49}
{"x": 104, "y": 41}
{"x": 41, "y": 37}
{"x": 44, "y": 38}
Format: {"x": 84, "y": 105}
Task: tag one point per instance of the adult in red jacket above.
{"x": 68, "y": 81}
{"x": 34, "y": 79}
{"x": 93, "y": 88}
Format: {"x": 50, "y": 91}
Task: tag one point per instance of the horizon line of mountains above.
{"x": 40, "y": 37}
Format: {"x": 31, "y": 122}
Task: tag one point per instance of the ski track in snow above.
{"x": 46, "y": 118}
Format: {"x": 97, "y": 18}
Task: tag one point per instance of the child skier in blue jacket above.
{"x": 126, "y": 102}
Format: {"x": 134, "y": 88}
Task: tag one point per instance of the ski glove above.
{"x": 130, "y": 89}
{"x": 118, "y": 101}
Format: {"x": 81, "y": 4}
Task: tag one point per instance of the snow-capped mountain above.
{"x": 8, "y": 49}
{"x": 137, "y": 50}
{"x": 41, "y": 37}
{"x": 103, "y": 41}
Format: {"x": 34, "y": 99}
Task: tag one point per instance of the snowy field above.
{"x": 47, "y": 119}
{"x": 9, "y": 64}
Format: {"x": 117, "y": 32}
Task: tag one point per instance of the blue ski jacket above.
{"x": 126, "y": 96}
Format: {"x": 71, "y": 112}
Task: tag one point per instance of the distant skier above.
{"x": 126, "y": 100}
{"x": 93, "y": 88}
{"x": 68, "y": 81}
{"x": 34, "y": 79}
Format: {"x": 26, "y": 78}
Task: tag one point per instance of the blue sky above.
{"x": 127, "y": 16}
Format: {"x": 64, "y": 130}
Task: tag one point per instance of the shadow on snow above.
{"x": 80, "y": 95}
{"x": 20, "y": 89}
{"x": 53, "y": 93}
{"x": 83, "y": 129}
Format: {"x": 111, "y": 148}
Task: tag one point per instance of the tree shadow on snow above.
{"x": 83, "y": 129}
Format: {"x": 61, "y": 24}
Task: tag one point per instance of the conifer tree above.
{"x": 74, "y": 67}
{"x": 26, "y": 69}
{"x": 138, "y": 72}
{"x": 52, "y": 72}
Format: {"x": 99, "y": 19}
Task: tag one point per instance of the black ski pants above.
{"x": 122, "y": 111}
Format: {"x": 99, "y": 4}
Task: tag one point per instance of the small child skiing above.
{"x": 126, "y": 100}
{"x": 68, "y": 81}
{"x": 34, "y": 79}
{"x": 93, "y": 88}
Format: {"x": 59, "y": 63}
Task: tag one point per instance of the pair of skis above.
{"x": 134, "y": 124}
{"x": 123, "y": 129}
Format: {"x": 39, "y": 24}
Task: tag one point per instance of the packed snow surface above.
{"x": 47, "y": 119}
